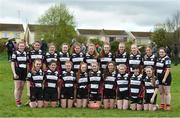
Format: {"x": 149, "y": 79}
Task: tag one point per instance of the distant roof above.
{"x": 141, "y": 34}
{"x": 11, "y": 27}
{"x": 34, "y": 27}
{"x": 101, "y": 31}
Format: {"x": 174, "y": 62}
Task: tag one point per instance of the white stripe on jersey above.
{"x": 108, "y": 86}
{"x": 94, "y": 86}
{"x": 158, "y": 64}
{"x": 95, "y": 78}
{"x": 22, "y": 65}
{"x": 77, "y": 59}
{"x": 149, "y": 63}
{"x": 64, "y": 59}
{"x": 109, "y": 78}
{"x": 39, "y": 77}
{"x": 51, "y": 77}
{"x": 106, "y": 59}
{"x": 81, "y": 80}
{"x": 38, "y": 85}
{"x": 21, "y": 58}
{"x": 135, "y": 82}
{"x": 120, "y": 82}
{"x": 134, "y": 61}
{"x": 149, "y": 90}
{"x": 68, "y": 78}
{"x": 53, "y": 85}
{"x": 120, "y": 59}
{"x": 134, "y": 90}
{"x": 36, "y": 56}
{"x": 68, "y": 85}
{"x": 123, "y": 89}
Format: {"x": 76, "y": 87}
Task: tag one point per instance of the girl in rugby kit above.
{"x": 135, "y": 88}
{"x": 122, "y": 81}
{"x": 151, "y": 89}
{"x": 95, "y": 81}
{"x": 19, "y": 69}
{"x": 77, "y": 57}
{"x": 68, "y": 78}
{"x": 121, "y": 57}
{"x": 63, "y": 56}
{"x": 163, "y": 72}
{"x": 149, "y": 58}
{"x": 135, "y": 58}
{"x": 109, "y": 86}
{"x": 105, "y": 56}
{"x": 82, "y": 81}
{"x": 51, "y": 82}
{"x": 36, "y": 77}
{"x": 91, "y": 55}
{"x": 50, "y": 55}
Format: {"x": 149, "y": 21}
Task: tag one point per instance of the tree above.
{"x": 60, "y": 25}
{"x": 159, "y": 37}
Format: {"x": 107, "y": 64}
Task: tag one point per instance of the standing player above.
{"x": 135, "y": 58}
{"x": 36, "y": 77}
{"x": 77, "y": 57}
{"x": 105, "y": 56}
{"x": 64, "y": 56}
{"x": 91, "y": 55}
{"x": 19, "y": 69}
{"x": 51, "y": 55}
{"x": 121, "y": 57}
{"x": 163, "y": 72}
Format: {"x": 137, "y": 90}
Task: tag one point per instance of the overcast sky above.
{"x": 136, "y": 15}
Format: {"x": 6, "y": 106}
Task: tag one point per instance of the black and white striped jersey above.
{"x": 50, "y": 57}
{"x": 95, "y": 79}
{"x": 121, "y": 58}
{"x": 104, "y": 60}
{"x": 83, "y": 81}
{"x": 149, "y": 61}
{"x": 122, "y": 81}
{"x": 20, "y": 59}
{"x": 134, "y": 60}
{"x": 68, "y": 79}
{"x": 110, "y": 80}
{"x": 150, "y": 85}
{"x": 89, "y": 59}
{"x": 36, "y": 78}
{"x": 135, "y": 85}
{"x": 63, "y": 57}
{"x": 76, "y": 59}
{"x": 162, "y": 64}
{"x": 51, "y": 79}
{"x": 35, "y": 54}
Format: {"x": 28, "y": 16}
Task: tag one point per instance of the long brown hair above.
{"x": 79, "y": 71}
{"x": 74, "y": 46}
{"x": 33, "y": 69}
{"x": 102, "y": 53}
{"x": 95, "y": 53}
{"x": 107, "y": 70}
{"x": 153, "y": 74}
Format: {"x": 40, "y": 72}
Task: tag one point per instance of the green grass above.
{"x": 8, "y": 108}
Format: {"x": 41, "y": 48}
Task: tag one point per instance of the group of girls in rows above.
{"x": 104, "y": 80}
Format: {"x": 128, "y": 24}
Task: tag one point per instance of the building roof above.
{"x": 101, "y": 31}
{"x": 11, "y": 27}
{"x": 141, "y": 34}
{"x": 35, "y": 27}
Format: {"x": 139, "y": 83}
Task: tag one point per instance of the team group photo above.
{"x": 57, "y": 67}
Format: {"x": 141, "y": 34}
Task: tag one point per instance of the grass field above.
{"x": 8, "y": 108}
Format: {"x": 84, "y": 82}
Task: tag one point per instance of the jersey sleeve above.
{"x": 167, "y": 63}
{"x": 13, "y": 57}
{"x": 29, "y": 76}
